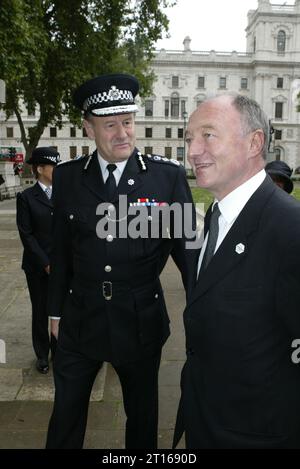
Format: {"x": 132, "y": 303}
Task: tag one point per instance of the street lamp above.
{"x": 184, "y": 115}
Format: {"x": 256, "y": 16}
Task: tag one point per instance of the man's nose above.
{"x": 195, "y": 148}
{"x": 121, "y": 131}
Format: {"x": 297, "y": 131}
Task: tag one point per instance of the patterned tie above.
{"x": 110, "y": 184}
{"x": 48, "y": 192}
{"x": 212, "y": 237}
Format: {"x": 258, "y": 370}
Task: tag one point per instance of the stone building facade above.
{"x": 268, "y": 71}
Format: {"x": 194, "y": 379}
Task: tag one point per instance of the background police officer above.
{"x": 107, "y": 288}
{"x": 34, "y": 220}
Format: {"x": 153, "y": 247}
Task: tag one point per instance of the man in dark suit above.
{"x": 104, "y": 282}
{"x": 240, "y": 384}
{"x": 34, "y": 220}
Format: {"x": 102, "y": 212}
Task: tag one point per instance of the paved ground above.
{"x": 26, "y": 396}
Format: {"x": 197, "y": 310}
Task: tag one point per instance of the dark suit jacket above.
{"x": 34, "y": 221}
{"x": 134, "y": 322}
{"x": 240, "y": 388}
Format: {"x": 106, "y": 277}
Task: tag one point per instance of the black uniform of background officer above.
{"x": 108, "y": 290}
{"x": 34, "y": 220}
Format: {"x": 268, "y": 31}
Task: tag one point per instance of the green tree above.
{"x": 49, "y": 47}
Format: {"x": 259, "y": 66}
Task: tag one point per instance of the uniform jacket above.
{"x": 34, "y": 221}
{"x": 240, "y": 388}
{"x": 86, "y": 269}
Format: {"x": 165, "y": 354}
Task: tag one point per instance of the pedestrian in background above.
{"x": 281, "y": 174}
{"x": 34, "y": 221}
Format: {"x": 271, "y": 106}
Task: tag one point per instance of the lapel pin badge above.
{"x": 130, "y": 182}
{"x": 240, "y": 248}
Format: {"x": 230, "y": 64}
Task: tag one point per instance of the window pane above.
{"x": 148, "y": 132}
{"x": 175, "y": 81}
{"x": 180, "y": 153}
{"x": 148, "y": 150}
{"x": 180, "y": 133}
{"x": 85, "y": 150}
{"x": 148, "y": 108}
{"x": 72, "y": 131}
{"x": 167, "y": 106}
{"x": 73, "y": 152}
{"x": 244, "y": 83}
{"x": 174, "y": 107}
{"x": 201, "y": 82}
{"x": 278, "y": 110}
{"x": 281, "y": 41}
{"x": 168, "y": 152}
{"x": 279, "y": 82}
{"x": 168, "y": 132}
{"x": 84, "y": 134}
{"x": 53, "y": 132}
{"x": 9, "y": 132}
{"x": 222, "y": 83}
{"x": 278, "y": 134}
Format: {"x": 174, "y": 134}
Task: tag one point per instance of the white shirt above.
{"x": 117, "y": 172}
{"x": 230, "y": 208}
{"x": 43, "y": 186}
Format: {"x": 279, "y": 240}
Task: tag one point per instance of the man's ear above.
{"x": 257, "y": 143}
{"x": 89, "y": 129}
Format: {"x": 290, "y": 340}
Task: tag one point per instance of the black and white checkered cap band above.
{"x": 108, "y": 97}
{"x": 51, "y": 158}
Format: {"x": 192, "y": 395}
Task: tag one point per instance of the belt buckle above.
{"x": 107, "y": 290}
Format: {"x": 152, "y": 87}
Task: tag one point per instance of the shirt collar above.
{"x": 103, "y": 164}
{"x": 231, "y": 206}
{"x": 43, "y": 186}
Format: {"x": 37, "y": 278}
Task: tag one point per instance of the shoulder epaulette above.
{"x": 161, "y": 159}
{"x": 73, "y": 160}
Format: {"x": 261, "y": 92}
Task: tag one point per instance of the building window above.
{"x": 73, "y": 152}
{"x": 179, "y": 133}
{"x": 168, "y": 152}
{"x": 244, "y": 83}
{"x": 149, "y": 108}
{"x": 222, "y": 83}
{"x": 148, "y": 132}
{"x": 85, "y": 150}
{"x": 281, "y": 40}
{"x": 175, "y": 106}
{"x": 167, "y": 108}
{"x": 84, "y": 134}
{"x": 254, "y": 44}
{"x": 201, "y": 82}
{"x": 72, "y": 131}
{"x": 180, "y": 153}
{"x": 53, "y": 132}
{"x": 279, "y": 82}
{"x": 182, "y": 107}
{"x": 9, "y": 132}
{"x": 278, "y": 110}
{"x": 148, "y": 150}
{"x": 175, "y": 81}
{"x": 277, "y": 152}
{"x": 278, "y": 134}
{"x": 168, "y": 132}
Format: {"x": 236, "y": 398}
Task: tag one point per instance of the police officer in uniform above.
{"x": 34, "y": 220}
{"x": 106, "y": 287}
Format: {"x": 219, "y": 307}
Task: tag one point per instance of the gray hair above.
{"x": 252, "y": 116}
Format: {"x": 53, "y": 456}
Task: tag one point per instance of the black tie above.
{"x": 212, "y": 237}
{"x": 110, "y": 184}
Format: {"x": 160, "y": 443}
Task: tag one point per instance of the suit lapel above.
{"x": 229, "y": 254}
{"x": 40, "y": 195}
{"x": 92, "y": 177}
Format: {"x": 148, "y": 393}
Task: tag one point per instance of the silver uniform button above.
{"x": 111, "y": 208}
{"x": 71, "y": 291}
{"x": 71, "y": 217}
{"x": 156, "y": 295}
{"x": 107, "y": 268}
{"x": 150, "y": 218}
{"x": 109, "y": 238}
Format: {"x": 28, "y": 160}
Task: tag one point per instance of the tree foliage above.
{"x": 49, "y": 47}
